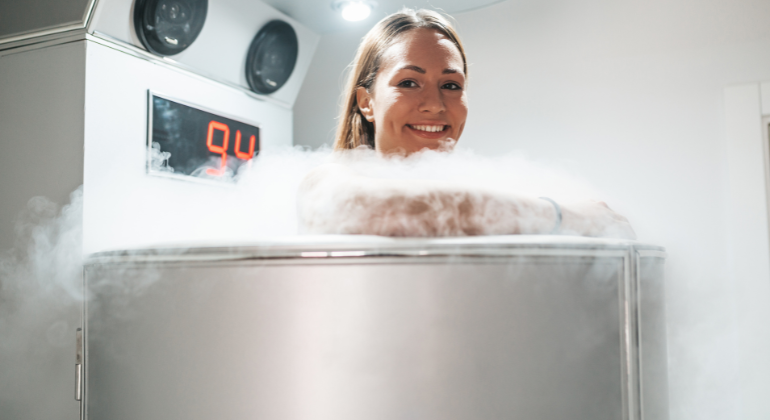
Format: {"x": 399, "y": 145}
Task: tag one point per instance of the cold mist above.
{"x": 41, "y": 277}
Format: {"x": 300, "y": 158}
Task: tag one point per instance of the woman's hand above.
{"x": 594, "y": 218}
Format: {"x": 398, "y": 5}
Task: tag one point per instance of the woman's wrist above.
{"x": 594, "y": 218}
{"x": 558, "y": 216}
{"x": 573, "y": 220}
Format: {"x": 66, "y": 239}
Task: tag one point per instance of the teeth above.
{"x": 429, "y": 128}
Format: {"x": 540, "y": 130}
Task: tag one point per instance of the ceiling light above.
{"x": 354, "y": 10}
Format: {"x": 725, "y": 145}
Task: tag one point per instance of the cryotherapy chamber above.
{"x": 304, "y": 328}
{"x": 366, "y": 327}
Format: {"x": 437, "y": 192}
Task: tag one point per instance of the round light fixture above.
{"x": 354, "y": 10}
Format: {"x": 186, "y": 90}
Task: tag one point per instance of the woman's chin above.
{"x": 412, "y": 144}
{"x": 443, "y": 144}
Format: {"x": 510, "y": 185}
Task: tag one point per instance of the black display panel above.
{"x": 198, "y": 143}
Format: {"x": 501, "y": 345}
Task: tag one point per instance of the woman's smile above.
{"x": 429, "y": 130}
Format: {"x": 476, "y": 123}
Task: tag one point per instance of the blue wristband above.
{"x": 556, "y": 207}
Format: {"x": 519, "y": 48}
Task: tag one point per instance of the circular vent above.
{"x": 168, "y": 27}
{"x": 272, "y": 56}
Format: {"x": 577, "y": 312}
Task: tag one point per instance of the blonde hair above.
{"x": 353, "y": 129}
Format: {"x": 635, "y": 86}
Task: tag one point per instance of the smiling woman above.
{"x": 408, "y": 78}
{"x": 406, "y": 93}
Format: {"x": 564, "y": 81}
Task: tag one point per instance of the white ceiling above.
{"x": 319, "y": 16}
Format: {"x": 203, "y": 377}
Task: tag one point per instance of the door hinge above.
{"x": 78, "y": 363}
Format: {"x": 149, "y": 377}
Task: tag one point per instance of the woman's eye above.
{"x": 408, "y": 83}
{"x": 452, "y": 86}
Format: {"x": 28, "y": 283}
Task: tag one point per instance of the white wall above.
{"x": 318, "y": 101}
{"x": 747, "y": 243}
{"x": 629, "y": 94}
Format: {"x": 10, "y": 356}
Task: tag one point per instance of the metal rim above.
{"x": 493, "y": 246}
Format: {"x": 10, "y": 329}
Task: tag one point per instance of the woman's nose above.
{"x": 432, "y": 101}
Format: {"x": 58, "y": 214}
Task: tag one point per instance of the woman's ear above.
{"x": 364, "y": 100}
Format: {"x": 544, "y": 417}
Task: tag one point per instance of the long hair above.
{"x": 353, "y": 129}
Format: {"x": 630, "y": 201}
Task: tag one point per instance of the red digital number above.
{"x": 252, "y": 143}
{"x": 222, "y": 150}
{"x": 215, "y": 125}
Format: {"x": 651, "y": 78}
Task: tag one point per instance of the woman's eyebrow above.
{"x": 422, "y": 70}
{"x": 413, "y": 68}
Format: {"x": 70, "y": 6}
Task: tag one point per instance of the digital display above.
{"x": 198, "y": 143}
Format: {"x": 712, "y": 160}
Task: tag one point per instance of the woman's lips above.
{"x": 429, "y": 131}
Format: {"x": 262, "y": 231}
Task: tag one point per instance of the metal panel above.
{"x": 41, "y": 115}
{"x": 454, "y": 333}
{"x": 25, "y": 19}
{"x": 653, "y": 358}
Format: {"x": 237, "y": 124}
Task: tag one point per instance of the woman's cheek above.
{"x": 463, "y": 106}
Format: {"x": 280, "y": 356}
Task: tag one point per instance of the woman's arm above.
{"x": 334, "y": 199}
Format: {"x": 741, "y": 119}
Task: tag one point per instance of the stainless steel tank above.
{"x": 510, "y": 327}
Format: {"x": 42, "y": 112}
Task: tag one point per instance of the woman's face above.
{"x": 418, "y": 98}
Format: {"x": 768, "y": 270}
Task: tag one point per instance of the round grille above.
{"x": 272, "y": 56}
{"x": 168, "y": 27}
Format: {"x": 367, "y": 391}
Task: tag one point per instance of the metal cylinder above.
{"x": 519, "y": 327}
